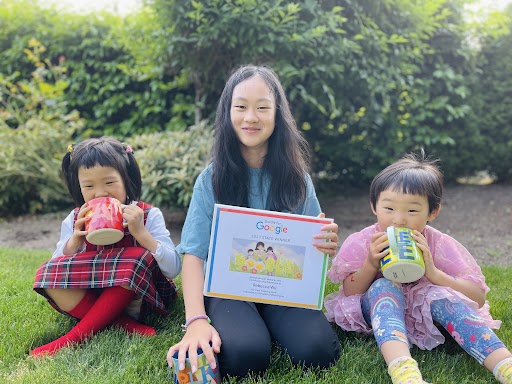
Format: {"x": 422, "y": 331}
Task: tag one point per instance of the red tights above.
{"x": 96, "y": 313}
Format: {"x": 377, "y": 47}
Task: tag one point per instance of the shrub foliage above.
{"x": 368, "y": 81}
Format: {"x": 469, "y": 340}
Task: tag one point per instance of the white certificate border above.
{"x": 218, "y": 208}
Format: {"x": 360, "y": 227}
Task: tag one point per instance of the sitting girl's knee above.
{"x": 321, "y": 358}
{"x": 243, "y": 358}
{"x": 382, "y": 286}
{"x": 382, "y": 283}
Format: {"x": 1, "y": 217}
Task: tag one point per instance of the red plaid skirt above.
{"x": 132, "y": 266}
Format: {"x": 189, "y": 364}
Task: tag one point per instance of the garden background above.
{"x": 367, "y": 81}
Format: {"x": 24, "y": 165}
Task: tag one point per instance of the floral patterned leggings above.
{"x": 383, "y": 308}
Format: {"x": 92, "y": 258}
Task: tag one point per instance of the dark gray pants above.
{"x": 247, "y": 330}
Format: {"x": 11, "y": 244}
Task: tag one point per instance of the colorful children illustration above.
{"x": 285, "y": 262}
{"x": 260, "y": 251}
{"x": 271, "y": 254}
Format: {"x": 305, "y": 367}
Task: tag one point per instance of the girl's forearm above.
{"x": 72, "y": 246}
{"x": 192, "y": 280}
{"x": 359, "y": 281}
{"x": 466, "y": 287}
{"x": 146, "y": 240}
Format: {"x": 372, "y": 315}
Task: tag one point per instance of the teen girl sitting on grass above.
{"x": 260, "y": 155}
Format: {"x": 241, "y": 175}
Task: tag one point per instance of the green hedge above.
{"x": 367, "y": 81}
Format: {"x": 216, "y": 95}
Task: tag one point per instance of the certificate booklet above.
{"x": 265, "y": 257}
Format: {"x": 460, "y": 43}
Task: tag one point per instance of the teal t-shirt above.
{"x": 195, "y": 235}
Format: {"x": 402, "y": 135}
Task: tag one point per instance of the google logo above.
{"x": 265, "y": 227}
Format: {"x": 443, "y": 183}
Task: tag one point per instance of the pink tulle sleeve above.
{"x": 351, "y": 255}
{"x": 346, "y": 310}
{"x": 453, "y": 258}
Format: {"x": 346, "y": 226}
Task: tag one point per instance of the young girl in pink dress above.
{"x": 451, "y": 294}
{"x": 114, "y": 284}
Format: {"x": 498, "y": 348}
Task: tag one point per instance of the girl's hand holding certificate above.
{"x": 329, "y": 233}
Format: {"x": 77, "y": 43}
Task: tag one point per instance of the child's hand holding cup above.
{"x": 404, "y": 262}
{"x": 204, "y": 374}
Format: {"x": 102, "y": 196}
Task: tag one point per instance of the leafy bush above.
{"x": 30, "y": 178}
{"x": 492, "y": 101}
{"x": 103, "y": 83}
{"x": 367, "y": 81}
{"x": 34, "y": 133}
{"x": 170, "y": 162}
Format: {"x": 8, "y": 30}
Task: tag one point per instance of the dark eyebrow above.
{"x": 109, "y": 177}
{"x": 259, "y": 100}
{"x": 392, "y": 201}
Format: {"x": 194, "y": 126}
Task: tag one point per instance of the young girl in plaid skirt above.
{"x": 102, "y": 285}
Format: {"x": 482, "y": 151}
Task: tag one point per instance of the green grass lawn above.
{"x": 27, "y": 321}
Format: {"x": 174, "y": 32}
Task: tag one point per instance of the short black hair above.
{"x": 103, "y": 152}
{"x": 414, "y": 174}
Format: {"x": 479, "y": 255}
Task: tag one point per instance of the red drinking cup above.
{"x": 106, "y": 221}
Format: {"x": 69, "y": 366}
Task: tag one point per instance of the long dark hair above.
{"x": 286, "y": 159}
{"x": 104, "y": 152}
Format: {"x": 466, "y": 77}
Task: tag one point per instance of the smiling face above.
{"x": 253, "y": 116}
{"x": 402, "y": 210}
{"x": 101, "y": 182}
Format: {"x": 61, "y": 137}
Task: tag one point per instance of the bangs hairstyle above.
{"x": 287, "y": 157}
{"x": 414, "y": 174}
{"x": 103, "y": 152}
